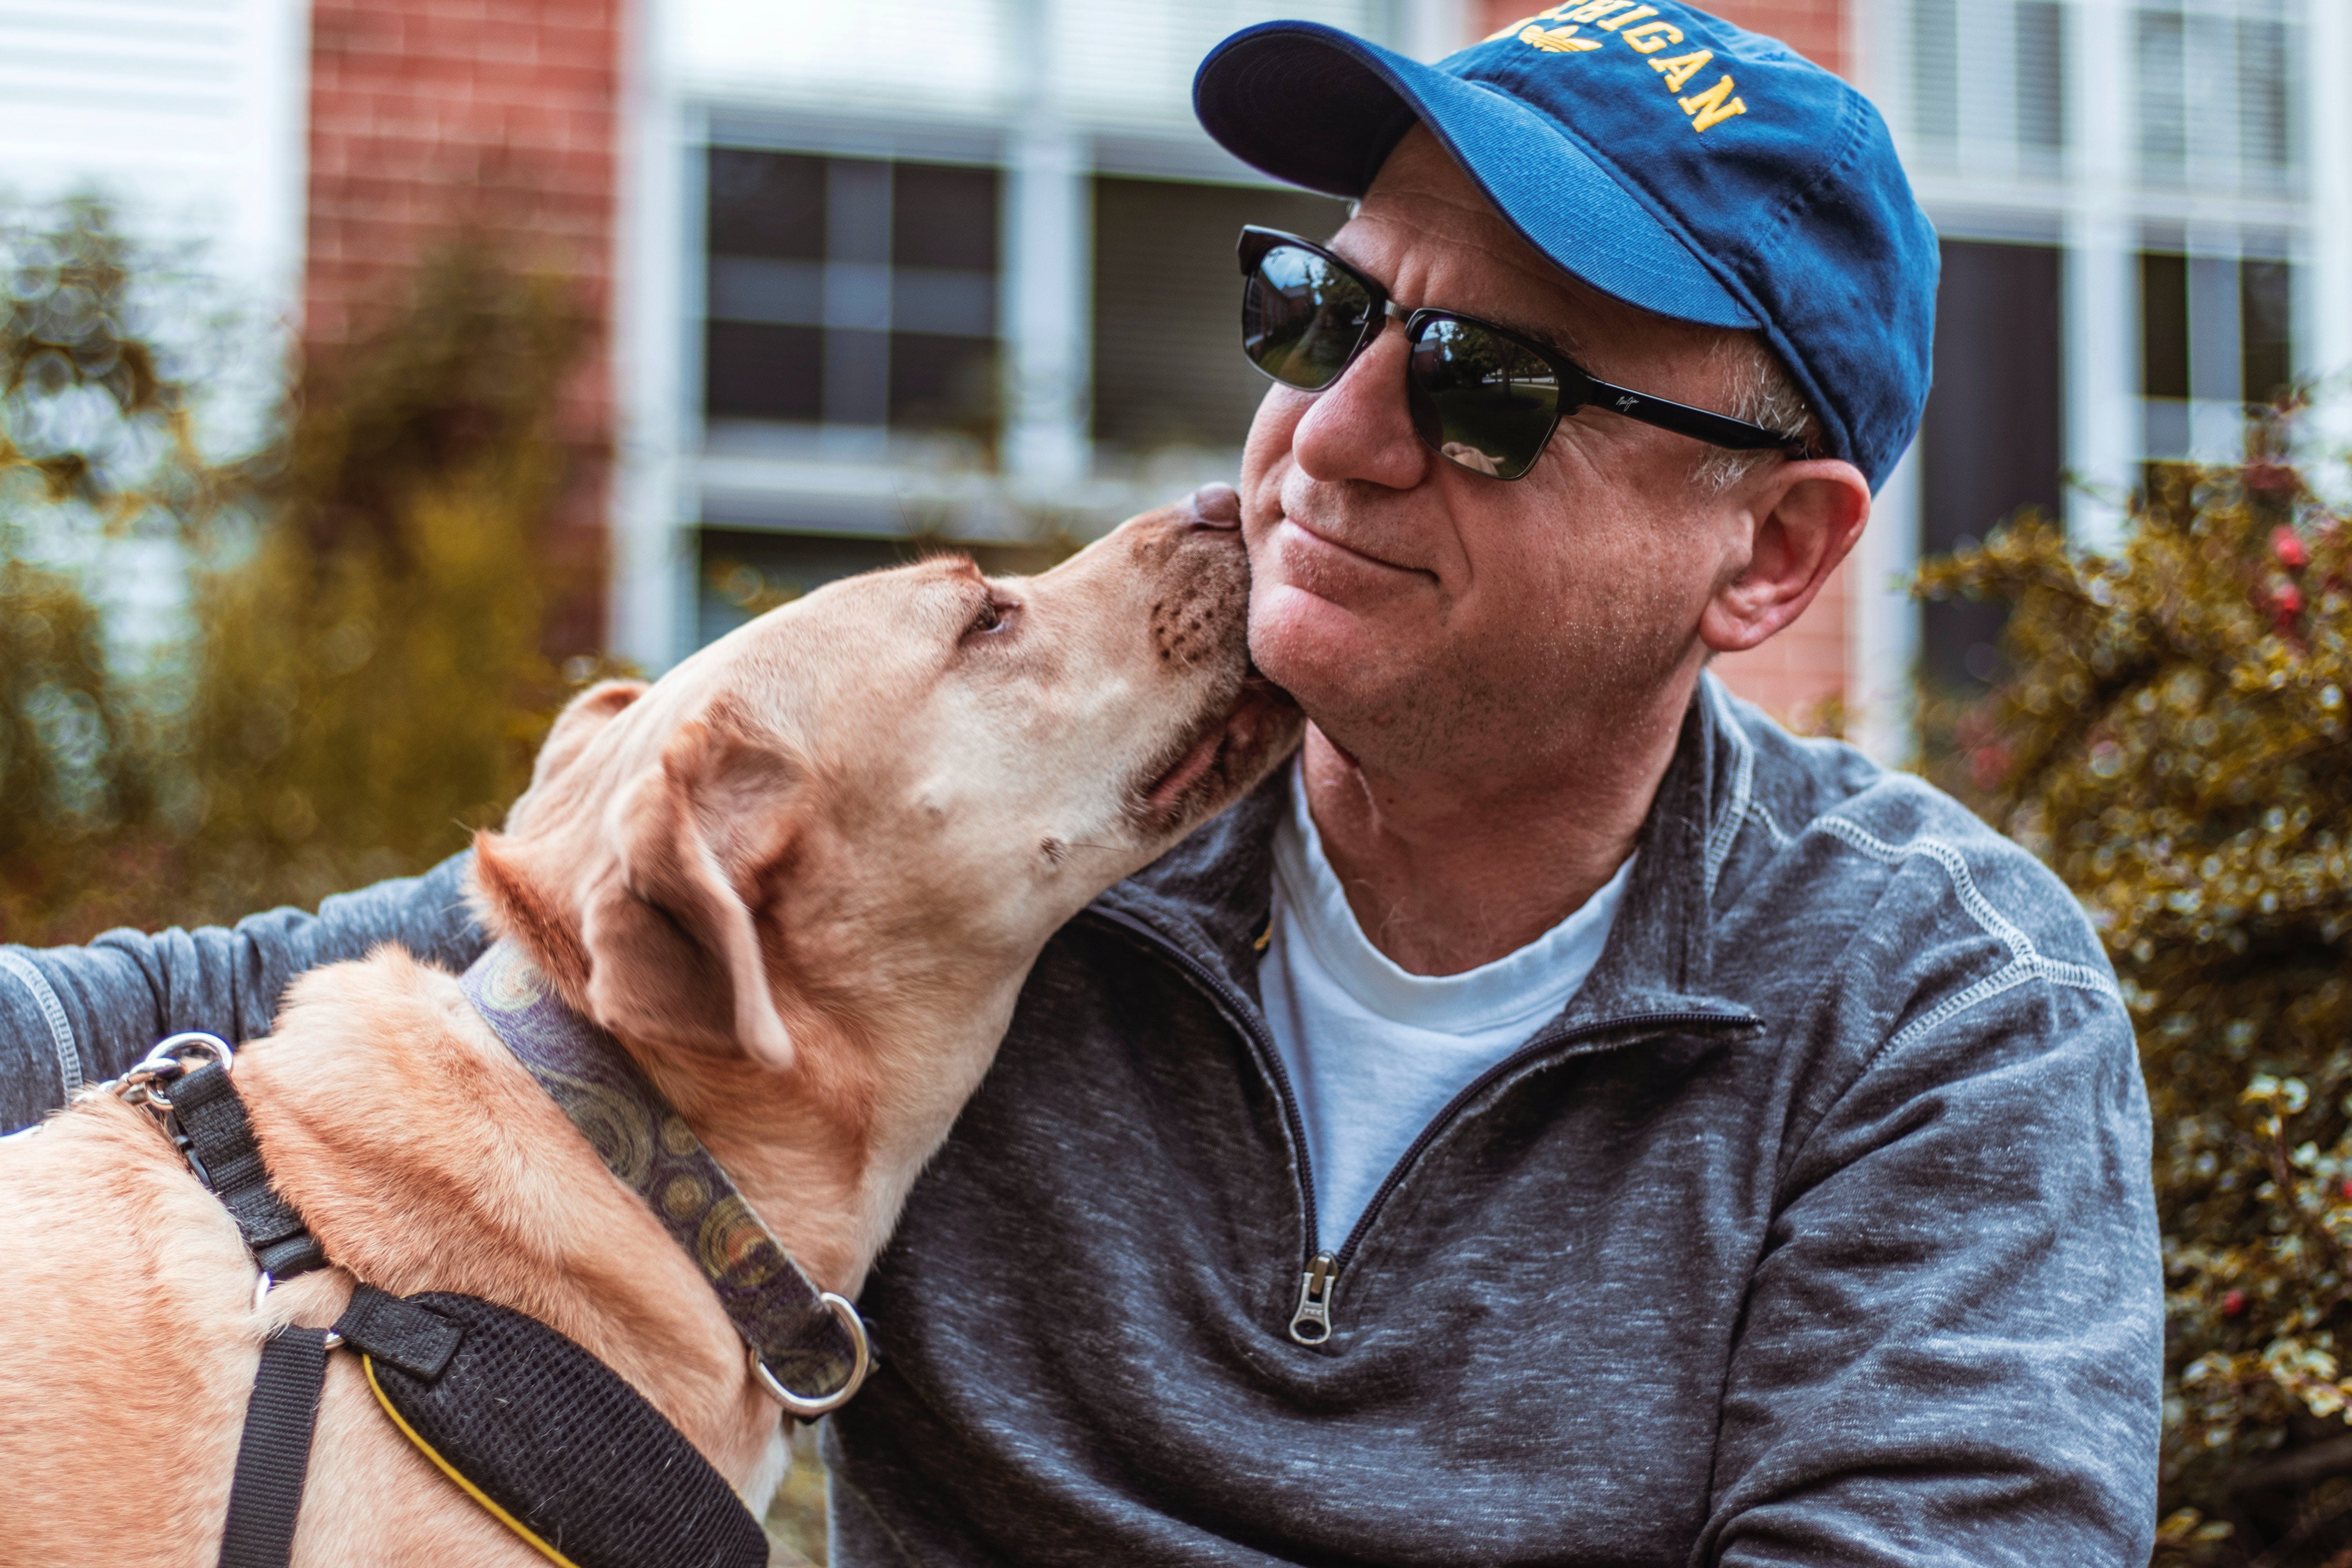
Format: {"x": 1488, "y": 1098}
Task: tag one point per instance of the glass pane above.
{"x": 2040, "y": 75}
{"x": 944, "y": 217}
{"x": 1936, "y": 69}
{"x": 2164, "y": 325}
{"x": 766, "y": 203}
{"x": 1993, "y": 440}
{"x": 2264, "y": 121}
{"x": 2163, "y": 89}
{"x": 934, "y": 299}
{"x": 2265, "y": 330}
{"x": 761, "y": 371}
{"x": 943, "y": 383}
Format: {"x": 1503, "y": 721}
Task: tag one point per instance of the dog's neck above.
{"x": 825, "y": 1151}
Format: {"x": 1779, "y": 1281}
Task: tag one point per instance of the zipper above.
{"x": 1539, "y": 1047}
{"x": 1310, "y": 1322}
{"x": 1237, "y": 1007}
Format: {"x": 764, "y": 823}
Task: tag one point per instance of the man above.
{"x": 1564, "y": 1119}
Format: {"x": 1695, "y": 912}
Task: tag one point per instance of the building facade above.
{"x": 885, "y": 275}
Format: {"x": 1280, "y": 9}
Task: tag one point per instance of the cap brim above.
{"x": 1316, "y": 107}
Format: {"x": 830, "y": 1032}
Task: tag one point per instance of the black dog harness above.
{"x": 554, "y": 1443}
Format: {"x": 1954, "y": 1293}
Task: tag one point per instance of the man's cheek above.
{"x": 1267, "y": 450}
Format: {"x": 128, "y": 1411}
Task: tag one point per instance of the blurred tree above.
{"x": 368, "y": 677}
{"x": 96, "y": 443}
{"x": 2173, "y": 738}
{"x": 373, "y": 683}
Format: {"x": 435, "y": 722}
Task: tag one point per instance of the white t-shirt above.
{"x": 1375, "y": 1053}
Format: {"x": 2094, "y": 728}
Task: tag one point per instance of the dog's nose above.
{"x": 1216, "y": 506}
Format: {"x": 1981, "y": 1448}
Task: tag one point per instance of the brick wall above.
{"x": 1793, "y": 674}
{"x": 498, "y": 115}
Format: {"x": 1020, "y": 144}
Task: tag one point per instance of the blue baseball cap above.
{"x": 1665, "y": 157}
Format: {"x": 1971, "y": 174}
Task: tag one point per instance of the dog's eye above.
{"x": 992, "y": 618}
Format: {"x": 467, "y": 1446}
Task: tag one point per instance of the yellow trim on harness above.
{"x": 367, "y": 1364}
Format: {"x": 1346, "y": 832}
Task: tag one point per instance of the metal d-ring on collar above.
{"x": 800, "y": 1404}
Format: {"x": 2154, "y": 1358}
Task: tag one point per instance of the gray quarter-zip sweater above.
{"x": 1817, "y": 1229}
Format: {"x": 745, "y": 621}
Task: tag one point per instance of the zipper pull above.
{"x": 1311, "y": 1324}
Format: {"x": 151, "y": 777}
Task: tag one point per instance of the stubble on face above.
{"x": 1436, "y": 622}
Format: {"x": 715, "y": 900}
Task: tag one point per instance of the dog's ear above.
{"x": 673, "y": 942}
{"x": 578, "y": 723}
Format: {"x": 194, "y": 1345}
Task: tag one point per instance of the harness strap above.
{"x": 415, "y": 1338}
{"x": 213, "y": 1132}
{"x": 273, "y": 1458}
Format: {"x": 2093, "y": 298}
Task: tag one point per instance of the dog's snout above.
{"x": 1200, "y": 596}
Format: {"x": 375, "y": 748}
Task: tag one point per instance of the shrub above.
{"x": 368, "y": 674}
{"x": 2173, "y": 738}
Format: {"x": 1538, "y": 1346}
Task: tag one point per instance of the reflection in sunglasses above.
{"x": 1470, "y": 458}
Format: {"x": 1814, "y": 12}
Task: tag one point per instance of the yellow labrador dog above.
{"x": 801, "y": 878}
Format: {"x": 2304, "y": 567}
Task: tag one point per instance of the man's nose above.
{"x": 1358, "y": 427}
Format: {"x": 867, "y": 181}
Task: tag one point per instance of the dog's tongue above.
{"x": 1180, "y": 778}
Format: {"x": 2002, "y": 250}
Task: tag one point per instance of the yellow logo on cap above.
{"x": 1706, "y": 110}
{"x": 1557, "y": 40}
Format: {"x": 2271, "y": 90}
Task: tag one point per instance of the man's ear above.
{"x": 1807, "y": 514}
{"x": 672, "y": 939}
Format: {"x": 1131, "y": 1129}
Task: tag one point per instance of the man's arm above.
{"x": 78, "y": 1014}
{"x": 1953, "y": 1346}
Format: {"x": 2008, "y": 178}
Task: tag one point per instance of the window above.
{"x": 2163, "y": 93}
{"x": 1936, "y": 69}
{"x": 852, "y": 292}
{"x": 1987, "y": 75}
{"x": 2265, "y": 338}
{"x": 2266, "y": 112}
{"x": 2164, "y": 325}
{"x": 1993, "y": 440}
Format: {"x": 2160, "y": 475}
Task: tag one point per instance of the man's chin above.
{"x": 1335, "y": 664}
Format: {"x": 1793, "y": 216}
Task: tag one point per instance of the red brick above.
{"x": 427, "y": 116}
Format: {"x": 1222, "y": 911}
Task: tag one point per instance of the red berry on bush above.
{"x": 2287, "y": 545}
{"x": 2233, "y": 1303}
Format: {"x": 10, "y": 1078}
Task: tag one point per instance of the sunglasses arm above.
{"x": 1681, "y": 418}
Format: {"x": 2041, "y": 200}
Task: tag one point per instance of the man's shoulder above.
{"x": 1885, "y": 875}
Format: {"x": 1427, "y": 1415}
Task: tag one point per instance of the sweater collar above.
{"x": 1210, "y": 895}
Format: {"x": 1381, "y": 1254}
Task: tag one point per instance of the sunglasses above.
{"x": 1481, "y": 396}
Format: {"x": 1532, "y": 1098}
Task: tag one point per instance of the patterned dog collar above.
{"x": 800, "y": 1338}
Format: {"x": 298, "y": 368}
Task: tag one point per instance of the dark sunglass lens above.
{"x": 1481, "y": 400}
{"x": 1301, "y": 318}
